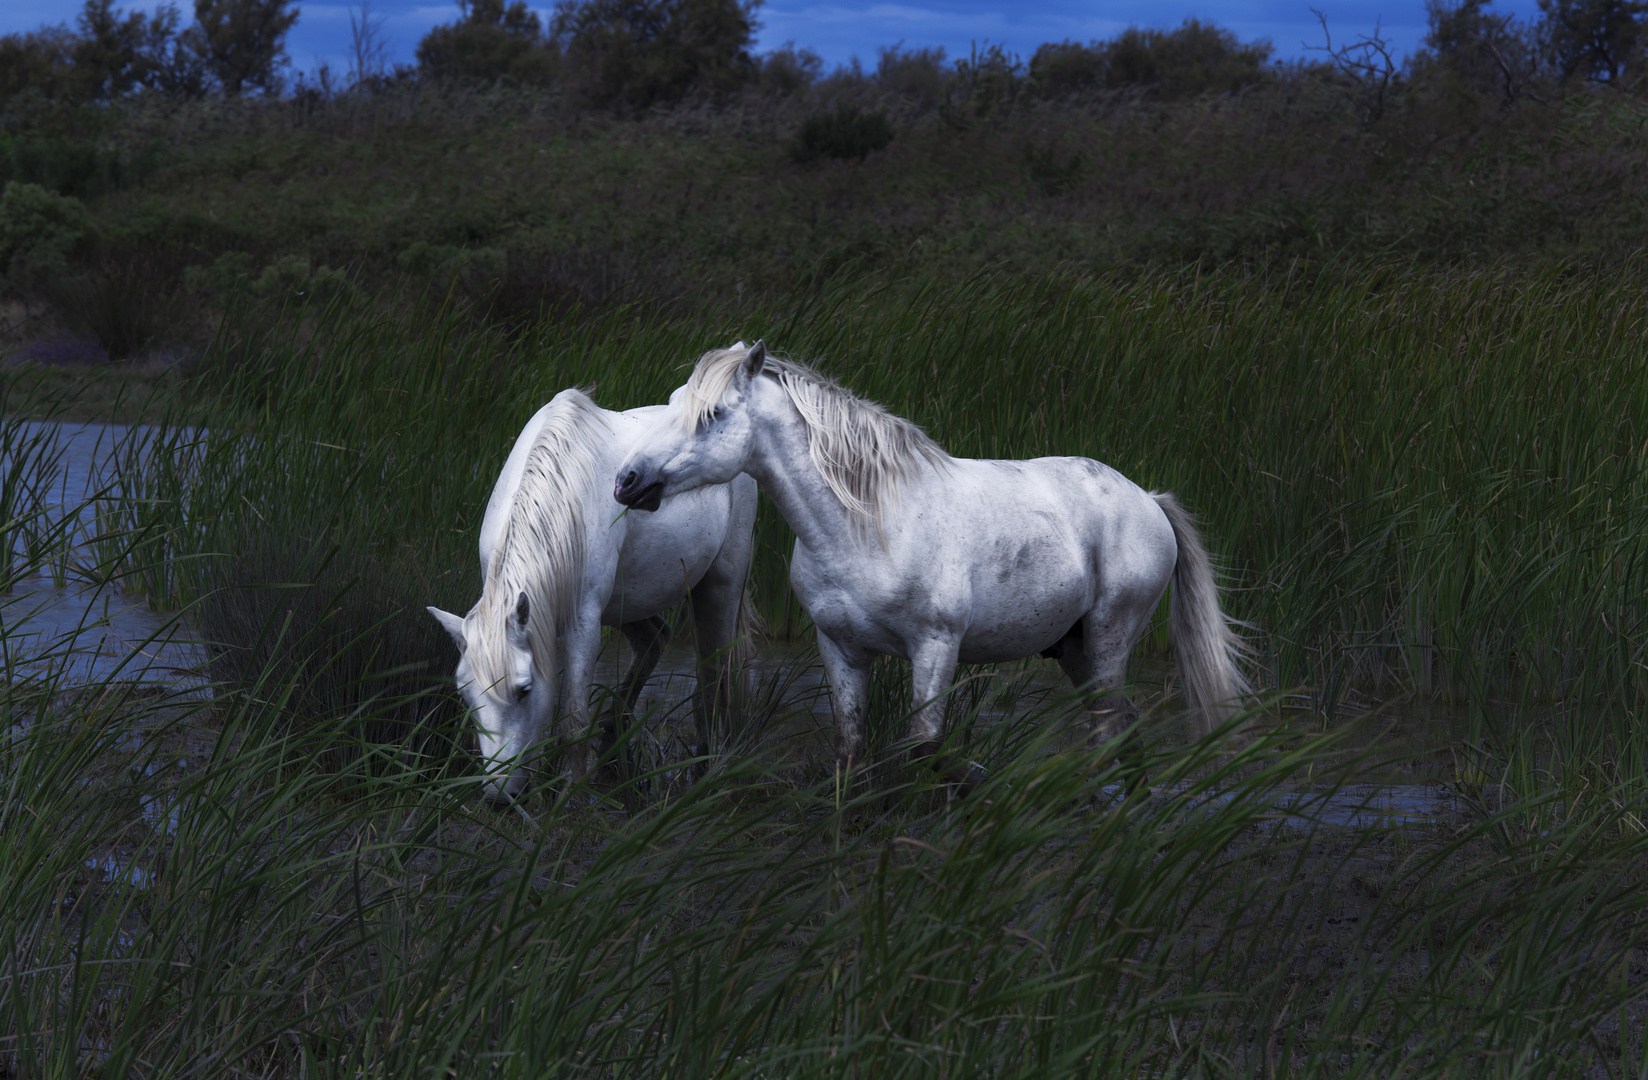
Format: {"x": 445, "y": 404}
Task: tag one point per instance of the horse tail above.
{"x": 1205, "y": 642}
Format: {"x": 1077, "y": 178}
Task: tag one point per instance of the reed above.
{"x": 1423, "y": 482}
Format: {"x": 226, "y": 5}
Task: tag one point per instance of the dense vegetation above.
{"x": 1463, "y": 527}
{"x": 134, "y": 217}
{"x": 1377, "y": 324}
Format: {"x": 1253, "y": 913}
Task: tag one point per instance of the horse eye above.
{"x": 716, "y": 415}
{"x": 522, "y": 691}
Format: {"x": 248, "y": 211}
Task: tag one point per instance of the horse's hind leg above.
{"x": 1094, "y": 656}
{"x": 647, "y": 640}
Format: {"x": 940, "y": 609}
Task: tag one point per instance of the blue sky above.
{"x": 838, "y": 30}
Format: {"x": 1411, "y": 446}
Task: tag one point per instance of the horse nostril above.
{"x": 629, "y": 479}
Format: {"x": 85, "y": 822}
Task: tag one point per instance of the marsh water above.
{"x": 58, "y": 616}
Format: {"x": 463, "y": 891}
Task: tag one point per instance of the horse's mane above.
{"x": 541, "y": 550}
{"x": 864, "y": 452}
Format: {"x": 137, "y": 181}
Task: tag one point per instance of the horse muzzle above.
{"x": 631, "y": 492}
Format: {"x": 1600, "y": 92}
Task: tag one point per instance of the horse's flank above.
{"x": 542, "y": 547}
{"x": 865, "y": 453}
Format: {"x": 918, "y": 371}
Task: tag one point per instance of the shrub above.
{"x": 916, "y": 74}
{"x": 292, "y": 277}
{"x": 1062, "y": 68}
{"x": 229, "y": 275}
{"x": 40, "y": 231}
{"x": 788, "y": 70}
{"x": 1197, "y": 58}
{"x": 126, "y": 300}
{"x": 846, "y": 132}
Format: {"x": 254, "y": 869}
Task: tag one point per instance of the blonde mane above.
{"x": 541, "y": 550}
{"x": 865, "y": 453}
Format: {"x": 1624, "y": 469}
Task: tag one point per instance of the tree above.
{"x": 41, "y": 62}
{"x": 118, "y": 52}
{"x": 489, "y": 43}
{"x": 241, "y": 42}
{"x": 1599, "y": 40}
{"x": 1488, "y": 50}
{"x": 638, "y": 53}
{"x": 1196, "y": 58}
{"x": 368, "y": 50}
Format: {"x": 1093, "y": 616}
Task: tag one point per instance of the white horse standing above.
{"x": 903, "y": 550}
{"x": 559, "y": 561}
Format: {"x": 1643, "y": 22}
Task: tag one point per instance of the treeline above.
{"x": 635, "y": 54}
{"x": 642, "y": 149}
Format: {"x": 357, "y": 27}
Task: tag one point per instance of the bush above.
{"x": 916, "y": 74}
{"x": 1197, "y": 58}
{"x": 789, "y": 70}
{"x": 292, "y": 277}
{"x": 40, "y": 231}
{"x": 126, "y": 300}
{"x": 229, "y": 275}
{"x": 847, "y": 132}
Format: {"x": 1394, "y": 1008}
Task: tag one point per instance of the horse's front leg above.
{"x": 849, "y": 675}
{"x": 715, "y": 601}
{"x": 647, "y": 640}
{"x": 581, "y": 647}
{"x": 932, "y": 672}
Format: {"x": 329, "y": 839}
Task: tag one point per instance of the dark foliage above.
{"x": 331, "y": 624}
{"x": 240, "y": 42}
{"x": 491, "y": 42}
{"x": 73, "y": 167}
{"x": 117, "y": 53}
{"x": 788, "y": 70}
{"x": 846, "y": 132}
{"x": 917, "y": 75}
{"x": 1197, "y": 58}
{"x": 39, "y": 63}
{"x": 1488, "y": 51}
{"x": 126, "y": 299}
{"x": 1600, "y": 40}
{"x": 635, "y": 54}
{"x": 234, "y": 46}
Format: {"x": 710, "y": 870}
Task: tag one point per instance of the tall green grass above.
{"x": 1421, "y": 482}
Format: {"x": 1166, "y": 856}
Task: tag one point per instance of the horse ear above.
{"x": 522, "y": 610}
{"x": 453, "y": 624}
{"x": 755, "y": 359}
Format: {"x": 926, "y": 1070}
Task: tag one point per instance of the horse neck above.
{"x": 783, "y": 466}
{"x": 594, "y": 505}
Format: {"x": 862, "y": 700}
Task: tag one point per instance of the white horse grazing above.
{"x": 559, "y": 561}
{"x": 903, "y": 550}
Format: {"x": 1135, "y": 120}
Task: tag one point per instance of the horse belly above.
{"x": 665, "y": 555}
{"x": 1026, "y": 596}
{"x": 1011, "y": 627}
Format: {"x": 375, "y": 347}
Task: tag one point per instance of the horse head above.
{"x": 498, "y": 680}
{"x": 702, "y": 438}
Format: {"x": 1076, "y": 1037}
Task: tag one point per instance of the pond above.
{"x": 58, "y": 619}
